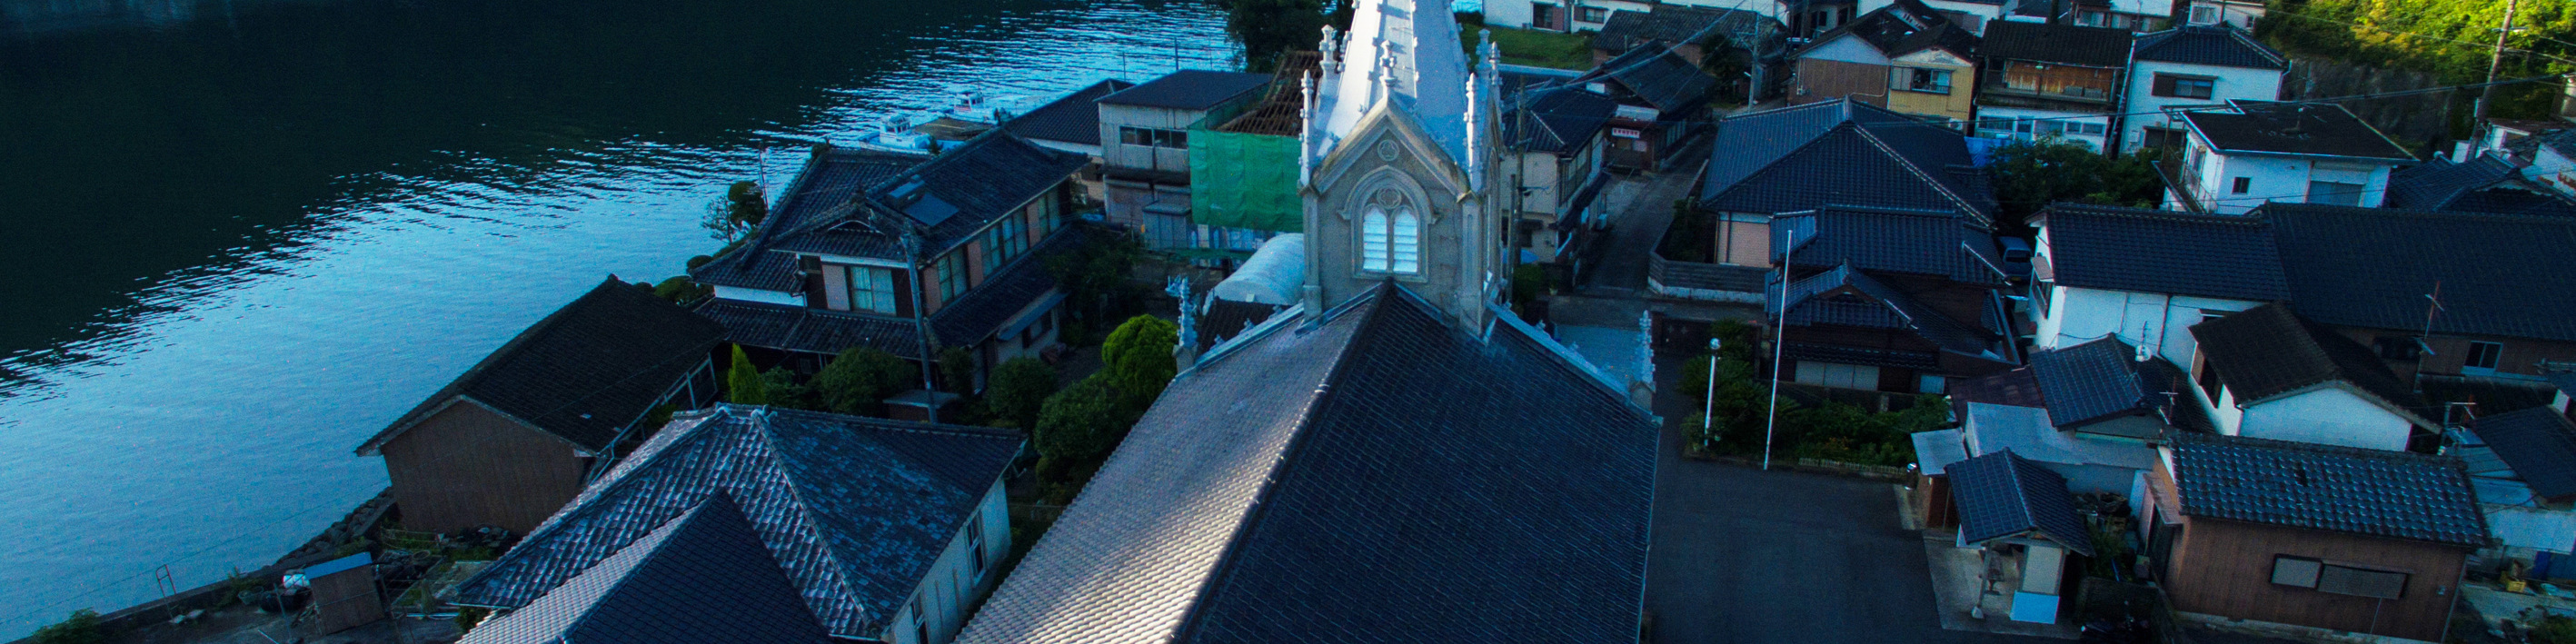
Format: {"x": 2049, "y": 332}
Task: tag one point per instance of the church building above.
{"x": 1394, "y": 458}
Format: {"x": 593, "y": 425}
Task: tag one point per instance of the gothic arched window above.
{"x": 1390, "y": 242}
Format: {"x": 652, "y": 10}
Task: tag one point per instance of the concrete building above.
{"x": 2259, "y": 152}
{"x": 1145, "y": 148}
{"x": 2192, "y": 67}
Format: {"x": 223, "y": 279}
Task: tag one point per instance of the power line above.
{"x": 2210, "y": 108}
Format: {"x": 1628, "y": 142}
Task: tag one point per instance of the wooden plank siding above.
{"x": 2222, "y": 567}
{"x": 467, "y": 466}
{"x": 1824, "y": 80}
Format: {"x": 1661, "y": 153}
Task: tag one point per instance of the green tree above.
{"x": 1137, "y": 360}
{"x": 743, "y": 385}
{"x": 860, "y": 379}
{"x": 1019, "y": 390}
{"x": 1081, "y": 423}
{"x": 785, "y": 391}
{"x": 957, "y": 370}
{"x": 1269, "y": 29}
{"x": 1094, "y": 277}
{"x": 81, "y": 628}
{"x": 741, "y": 210}
{"x": 679, "y": 289}
{"x": 2029, "y": 175}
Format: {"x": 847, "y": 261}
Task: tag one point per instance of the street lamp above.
{"x": 1708, "y": 401}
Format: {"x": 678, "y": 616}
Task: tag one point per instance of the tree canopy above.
{"x": 860, "y": 379}
{"x": 2029, "y": 175}
{"x": 1018, "y": 391}
{"x": 743, "y": 385}
{"x": 2452, "y": 38}
{"x": 1137, "y": 360}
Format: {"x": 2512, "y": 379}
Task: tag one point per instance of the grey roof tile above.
{"x": 1844, "y": 296}
{"x": 2317, "y": 129}
{"x": 1659, "y": 78}
{"x": 1190, "y": 89}
{"x": 2370, "y": 492}
{"x": 2498, "y": 275}
{"x": 659, "y": 589}
{"x": 827, "y": 190}
{"x": 2162, "y": 251}
{"x": 2224, "y": 46}
{"x": 2485, "y": 184}
{"x": 788, "y": 327}
{"x": 1938, "y": 243}
{"x": 1560, "y": 119}
{"x": 1238, "y": 508}
{"x": 2102, "y": 380}
{"x": 2004, "y": 495}
{"x": 2538, "y": 443}
{"x": 854, "y": 510}
{"x": 1674, "y": 24}
{"x": 982, "y": 311}
{"x": 1904, "y": 27}
{"x": 1075, "y": 118}
{"x": 2056, "y": 43}
{"x": 586, "y": 371}
{"x": 1840, "y": 153}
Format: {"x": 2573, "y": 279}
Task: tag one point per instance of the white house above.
{"x": 2257, "y": 152}
{"x": 2045, "y": 81}
{"x": 2193, "y": 67}
{"x": 2145, "y": 276}
{"x": 1589, "y": 15}
{"x": 2266, "y": 373}
{"x": 2132, "y": 15}
{"x": 2553, "y": 161}
{"x": 2241, "y": 14}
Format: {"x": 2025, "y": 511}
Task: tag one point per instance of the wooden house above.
{"x": 2315, "y": 537}
{"x": 517, "y": 435}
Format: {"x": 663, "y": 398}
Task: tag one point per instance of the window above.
{"x": 2397, "y": 347}
{"x": 2244, "y": 184}
{"x": 1843, "y": 376}
{"x": 872, "y": 289}
{"x": 1930, "y": 384}
{"x": 1390, "y": 243}
{"x": 920, "y": 623}
{"x": 1931, "y": 81}
{"x": 952, "y": 275}
{"x": 2334, "y": 193}
{"x": 975, "y": 545}
{"x": 1007, "y": 239}
{"x": 2170, "y": 85}
{"x": 1547, "y": 16}
{"x": 2303, "y": 572}
{"x": 2163, "y": 137}
{"x": 1152, "y": 137}
{"x": 2204, "y": 15}
{"x": 2041, "y": 291}
{"x": 1594, "y": 14}
{"x": 2484, "y": 355}
{"x": 2087, "y": 128}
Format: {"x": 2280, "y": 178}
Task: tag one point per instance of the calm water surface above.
{"x": 239, "y": 236}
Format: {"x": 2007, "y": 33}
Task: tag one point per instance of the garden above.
{"x": 1737, "y": 417}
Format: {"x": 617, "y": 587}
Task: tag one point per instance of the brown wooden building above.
{"x": 2337, "y": 538}
{"x": 518, "y": 434}
{"x": 1888, "y": 300}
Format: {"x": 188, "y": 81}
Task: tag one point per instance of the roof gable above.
{"x": 2161, "y": 251}
{"x": 2265, "y": 352}
{"x": 1657, "y": 77}
{"x": 2101, "y": 380}
{"x": 2223, "y": 45}
{"x": 2003, "y": 495}
{"x": 854, "y": 510}
{"x": 1934, "y": 243}
{"x": 1840, "y": 153}
{"x": 583, "y": 373}
{"x": 2379, "y": 493}
{"x": 658, "y": 588}
{"x": 809, "y": 217}
{"x": 1561, "y": 119}
{"x": 1845, "y": 296}
{"x": 980, "y": 182}
{"x": 2538, "y": 443}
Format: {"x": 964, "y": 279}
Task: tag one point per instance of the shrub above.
{"x": 680, "y": 289}
{"x": 1137, "y": 359}
{"x": 1529, "y": 282}
{"x": 1081, "y": 423}
{"x": 2554, "y": 629}
{"x": 701, "y": 260}
{"x": 859, "y": 380}
{"x": 957, "y": 370}
{"x": 469, "y": 617}
{"x": 743, "y": 385}
{"x": 1019, "y": 390}
{"x": 785, "y": 391}
{"x": 1095, "y": 284}
{"x": 81, "y": 628}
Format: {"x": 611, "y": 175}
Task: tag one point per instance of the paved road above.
{"x": 1619, "y": 262}
{"x": 1742, "y": 555}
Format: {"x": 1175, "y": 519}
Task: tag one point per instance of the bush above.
{"x": 1095, "y": 283}
{"x": 743, "y": 385}
{"x": 81, "y": 628}
{"x": 680, "y": 289}
{"x": 1081, "y": 423}
{"x": 2554, "y": 629}
{"x": 1137, "y": 360}
{"x": 957, "y": 370}
{"x": 785, "y": 391}
{"x": 860, "y": 379}
{"x": 741, "y": 210}
{"x": 1019, "y": 390}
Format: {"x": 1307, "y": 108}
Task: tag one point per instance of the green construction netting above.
{"x": 1244, "y": 181}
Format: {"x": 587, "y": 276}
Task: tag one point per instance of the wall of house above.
{"x": 2078, "y": 315}
{"x": 2549, "y": 168}
{"x": 1508, "y": 13}
{"x": 2002, "y": 122}
{"x": 2329, "y": 416}
{"x": 2229, "y": 83}
{"x": 2280, "y": 179}
{"x": 1742, "y": 239}
{"x": 1770, "y": 8}
{"x": 1820, "y": 80}
{"x": 2242, "y": 14}
{"x": 2520, "y": 360}
{"x": 956, "y": 580}
{"x": 1117, "y": 154}
{"x": 2224, "y": 568}
{"x": 468, "y": 466}
{"x": 1957, "y": 105}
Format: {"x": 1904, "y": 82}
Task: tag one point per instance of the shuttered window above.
{"x": 1390, "y": 243}
{"x": 2302, "y": 572}
{"x": 2295, "y": 571}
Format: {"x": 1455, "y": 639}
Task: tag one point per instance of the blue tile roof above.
{"x": 824, "y": 193}
{"x": 1659, "y": 78}
{"x": 2499, "y": 275}
{"x": 2004, "y": 495}
{"x": 2222, "y": 45}
{"x": 854, "y": 510}
{"x": 789, "y": 327}
{"x": 2484, "y": 185}
{"x": 2103, "y": 380}
{"x": 1939, "y": 243}
{"x": 2162, "y": 251}
{"x": 1840, "y": 153}
{"x": 2538, "y": 443}
{"x": 1844, "y": 296}
{"x": 2056, "y": 43}
{"x": 1190, "y": 89}
{"x": 2370, "y": 492}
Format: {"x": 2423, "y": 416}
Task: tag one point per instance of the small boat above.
{"x": 907, "y": 133}
{"x": 974, "y": 107}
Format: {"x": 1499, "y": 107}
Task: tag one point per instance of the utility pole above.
{"x": 2486, "y": 95}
